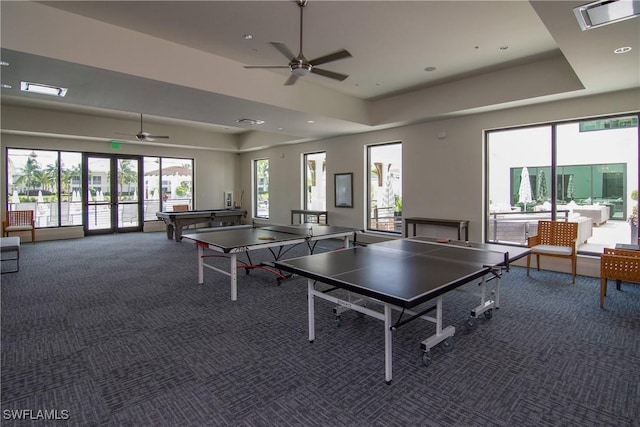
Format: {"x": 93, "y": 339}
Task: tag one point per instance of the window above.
{"x": 384, "y": 187}
{"x": 167, "y": 182}
{"x": 315, "y": 179}
{"x": 261, "y": 188}
{"x": 583, "y": 171}
{"x": 70, "y": 188}
{"x": 35, "y": 182}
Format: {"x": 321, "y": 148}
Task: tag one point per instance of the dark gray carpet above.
{"x": 115, "y": 331}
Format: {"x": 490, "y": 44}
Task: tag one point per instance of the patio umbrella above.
{"x": 388, "y": 199}
{"x": 524, "y": 192}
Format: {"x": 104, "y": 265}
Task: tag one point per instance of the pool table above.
{"x": 175, "y": 221}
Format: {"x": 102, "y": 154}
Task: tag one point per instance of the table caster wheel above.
{"x": 470, "y": 323}
{"x": 338, "y": 321}
{"x": 488, "y": 314}
{"x": 426, "y": 358}
{"x": 447, "y": 345}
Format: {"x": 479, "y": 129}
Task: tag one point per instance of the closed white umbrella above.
{"x": 524, "y": 192}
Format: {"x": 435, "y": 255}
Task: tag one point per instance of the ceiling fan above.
{"x": 144, "y": 136}
{"x": 299, "y": 65}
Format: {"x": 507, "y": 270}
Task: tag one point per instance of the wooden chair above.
{"x": 19, "y": 221}
{"x": 180, "y": 208}
{"x": 618, "y": 264}
{"x": 556, "y": 239}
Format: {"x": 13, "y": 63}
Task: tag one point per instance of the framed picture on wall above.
{"x": 344, "y": 190}
{"x": 228, "y": 199}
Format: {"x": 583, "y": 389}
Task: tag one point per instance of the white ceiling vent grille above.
{"x": 604, "y": 12}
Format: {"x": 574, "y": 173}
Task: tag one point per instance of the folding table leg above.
{"x": 200, "y": 265}
{"x": 388, "y": 337}
{"x": 234, "y": 276}
{"x": 312, "y": 326}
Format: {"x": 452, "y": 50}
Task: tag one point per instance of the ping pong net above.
{"x": 297, "y": 230}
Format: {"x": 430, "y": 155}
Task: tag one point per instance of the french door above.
{"x": 111, "y": 188}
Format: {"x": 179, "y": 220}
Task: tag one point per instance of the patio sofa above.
{"x": 599, "y": 214}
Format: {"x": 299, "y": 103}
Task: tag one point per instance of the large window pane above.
{"x": 602, "y": 167}
{"x": 167, "y": 182}
{"x": 519, "y": 182}
{"x": 152, "y": 189}
{"x": 71, "y": 188}
{"x": 33, "y": 184}
{"x": 595, "y": 170}
{"x": 385, "y": 187}
{"x": 315, "y": 194}
{"x": 261, "y": 188}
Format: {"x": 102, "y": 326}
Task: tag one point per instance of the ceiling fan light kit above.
{"x": 300, "y": 69}
{"x": 143, "y": 136}
{"x": 299, "y": 65}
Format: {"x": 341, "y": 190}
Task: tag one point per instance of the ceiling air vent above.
{"x": 604, "y": 12}
{"x": 251, "y": 122}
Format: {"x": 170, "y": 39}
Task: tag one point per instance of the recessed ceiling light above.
{"x": 252, "y": 122}
{"x": 248, "y": 36}
{"x": 624, "y": 49}
{"x": 311, "y": 121}
{"x": 4, "y": 63}
{"x": 43, "y": 89}
{"x": 5, "y": 86}
{"x": 429, "y": 69}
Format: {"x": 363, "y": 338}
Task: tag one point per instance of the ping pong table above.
{"x": 233, "y": 240}
{"x": 402, "y": 275}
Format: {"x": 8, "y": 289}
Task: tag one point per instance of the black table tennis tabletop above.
{"x": 230, "y": 239}
{"x": 234, "y": 240}
{"x": 401, "y": 275}
{"x": 404, "y": 272}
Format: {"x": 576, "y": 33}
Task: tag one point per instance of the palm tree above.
{"x": 126, "y": 174}
{"x": 29, "y": 176}
{"x": 50, "y": 177}
{"x": 542, "y": 195}
{"x": 68, "y": 176}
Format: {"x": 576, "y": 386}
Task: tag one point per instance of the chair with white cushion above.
{"x": 555, "y": 239}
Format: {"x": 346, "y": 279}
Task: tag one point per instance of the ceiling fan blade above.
{"x": 283, "y": 49}
{"x": 266, "y": 66}
{"x": 158, "y": 136}
{"x": 331, "y": 57}
{"x": 291, "y": 80}
{"x": 330, "y": 74}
